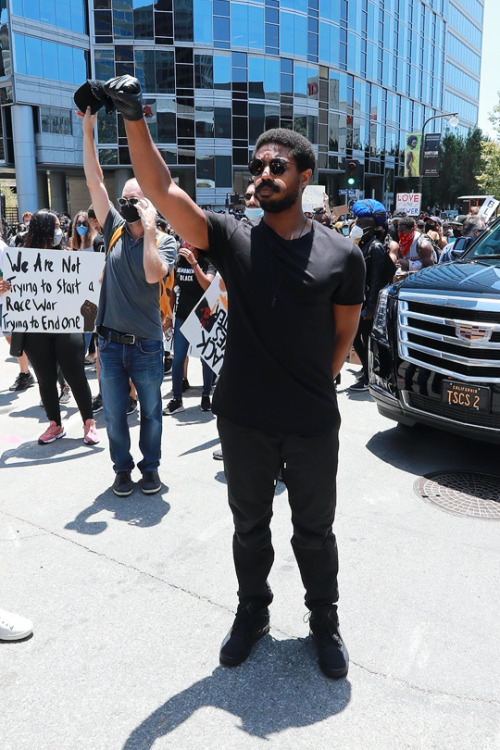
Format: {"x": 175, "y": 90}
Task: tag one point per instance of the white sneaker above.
{"x": 14, "y": 627}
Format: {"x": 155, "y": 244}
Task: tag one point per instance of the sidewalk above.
{"x": 131, "y": 597}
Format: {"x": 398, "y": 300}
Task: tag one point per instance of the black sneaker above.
{"x": 205, "y": 403}
{"x": 250, "y": 624}
{"x": 185, "y": 385}
{"x": 360, "y": 385}
{"x": 97, "y": 404}
{"x": 217, "y": 454}
{"x": 132, "y": 405}
{"x": 23, "y": 381}
{"x": 332, "y": 653}
{"x": 173, "y": 407}
{"x": 150, "y": 482}
{"x": 123, "y": 485}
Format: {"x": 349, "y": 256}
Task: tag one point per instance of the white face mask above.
{"x": 254, "y": 212}
{"x": 356, "y": 233}
{"x": 58, "y": 235}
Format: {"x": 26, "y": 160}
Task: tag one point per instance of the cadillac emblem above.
{"x": 469, "y": 332}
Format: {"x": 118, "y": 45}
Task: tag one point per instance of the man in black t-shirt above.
{"x": 291, "y": 284}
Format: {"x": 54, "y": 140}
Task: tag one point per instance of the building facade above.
{"x": 354, "y": 76}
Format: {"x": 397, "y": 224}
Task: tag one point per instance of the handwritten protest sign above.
{"x": 409, "y": 203}
{"x": 206, "y": 325}
{"x": 52, "y": 291}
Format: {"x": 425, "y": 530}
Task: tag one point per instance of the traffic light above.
{"x": 352, "y": 172}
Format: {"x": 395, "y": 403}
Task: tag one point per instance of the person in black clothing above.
{"x": 193, "y": 274}
{"x": 380, "y": 268}
{"x": 292, "y": 284}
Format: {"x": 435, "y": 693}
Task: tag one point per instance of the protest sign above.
{"x": 52, "y": 291}
{"x": 313, "y": 197}
{"x": 206, "y": 325}
{"x": 409, "y": 203}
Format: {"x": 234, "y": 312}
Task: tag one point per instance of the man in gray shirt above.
{"x": 128, "y": 319}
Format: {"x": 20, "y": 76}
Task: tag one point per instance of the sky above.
{"x": 490, "y": 81}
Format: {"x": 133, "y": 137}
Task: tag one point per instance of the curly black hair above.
{"x": 299, "y": 146}
{"x": 40, "y": 233}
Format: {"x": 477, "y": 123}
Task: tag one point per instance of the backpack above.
{"x": 166, "y": 297}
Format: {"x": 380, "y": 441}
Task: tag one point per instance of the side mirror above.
{"x": 461, "y": 245}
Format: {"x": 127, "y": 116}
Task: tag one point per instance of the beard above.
{"x": 273, "y": 206}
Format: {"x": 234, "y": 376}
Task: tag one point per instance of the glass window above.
{"x": 256, "y": 77}
{"x": 164, "y": 27}
{"x": 222, "y": 72}
{"x": 166, "y": 127}
{"x": 55, "y": 120}
{"x": 68, "y": 15}
{"x": 293, "y": 37}
{"x": 272, "y": 78}
{"x": 108, "y": 156}
{"x": 256, "y": 28}
{"x": 107, "y": 131}
{"x": 183, "y": 21}
{"x": 103, "y": 23}
{"x": 203, "y": 21}
{"x": 221, "y": 29}
{"x": 223, "y": 171}
{"x": 143, "y": 20}
{"x": 104, "y": 64}
{"x": 255, "y": 121}
{"x": 205, "y": 172}
{"x": 204, "y": 122}
{"x": 203, "y": 72}
{"x": 222, "y": 122}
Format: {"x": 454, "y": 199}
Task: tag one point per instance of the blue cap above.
{"x": 371, "y": 208}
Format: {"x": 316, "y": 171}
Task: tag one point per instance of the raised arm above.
{"x": 153, "y": 175}
{"x": 93, "y": 172}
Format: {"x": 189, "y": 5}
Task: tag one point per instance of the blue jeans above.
{"x": 143, "y": 364}
{"x": 181, "y": 346}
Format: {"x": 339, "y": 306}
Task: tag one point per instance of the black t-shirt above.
{"x": 190, "y": 290}
{"x": 277, "y": 371}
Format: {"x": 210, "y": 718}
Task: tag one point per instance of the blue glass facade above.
{"x": 354, "y": 76}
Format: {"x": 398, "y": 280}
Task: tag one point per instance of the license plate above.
{"x": 465, "y": 396}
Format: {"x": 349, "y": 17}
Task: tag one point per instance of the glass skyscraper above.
{"x": 354, "y": 76}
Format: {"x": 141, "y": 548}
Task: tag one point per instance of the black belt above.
{"x": 118, "y": 338}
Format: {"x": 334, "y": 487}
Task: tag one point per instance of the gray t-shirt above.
{"x": 128, "y": 303}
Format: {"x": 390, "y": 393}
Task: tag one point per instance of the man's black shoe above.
{"x": 332, "y": 653}
{"x": 150, "y": 482}
{"x": 123, "y": 485}
{"x": 23, "y": 381}
{"x": 250, "y": 624}
{"x": 217, "y": 454}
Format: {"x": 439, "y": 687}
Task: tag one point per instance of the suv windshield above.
{"x": 487, "y": 246}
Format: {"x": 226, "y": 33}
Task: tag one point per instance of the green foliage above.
{"x": 489, "y": 178}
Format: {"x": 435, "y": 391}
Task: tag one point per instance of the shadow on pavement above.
{"x": 136, "y": 510}
{"x": 33, "y": 454}
{"x": 280, "y": 687}
{"x": 421, "y": 449}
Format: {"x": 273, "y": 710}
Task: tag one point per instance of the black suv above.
{"x": 435, "y": 345}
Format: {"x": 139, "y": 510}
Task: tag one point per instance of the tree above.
{"x": 489, "y": 178}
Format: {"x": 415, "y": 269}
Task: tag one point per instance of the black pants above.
{"x": 252, "y": 460}
{"x": 360, "y": 342}
{"x": 45, "y": 351}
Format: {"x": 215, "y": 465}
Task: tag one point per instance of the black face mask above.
{"x": 129, "y": 213}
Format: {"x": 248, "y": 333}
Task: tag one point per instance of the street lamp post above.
{"x": 453, "y": 121}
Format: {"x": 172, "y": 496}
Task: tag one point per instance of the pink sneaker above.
{"x": 90, "y": 436}
{"x": 52, "y": 433}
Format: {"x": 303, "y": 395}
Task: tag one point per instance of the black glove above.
{"x": 92, "y": 95}
{"x": 126, "y": 93}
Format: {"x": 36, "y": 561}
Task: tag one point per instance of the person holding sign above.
{"x": 292, "y": 285}
{"x": 129, "y": 328}
{"x": 47, "y": 350}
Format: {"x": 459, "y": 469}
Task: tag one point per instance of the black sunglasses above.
{"x": 128, "y": 201}
{"x": 81, "y": 223}
{"x": 249, "y": 195}
{"x": 277, "y": 166}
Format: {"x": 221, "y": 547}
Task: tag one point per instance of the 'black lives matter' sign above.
{"x": 52, "y": 291}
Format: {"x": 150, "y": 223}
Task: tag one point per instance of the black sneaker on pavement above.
{"x": 23, "y": 381}
{"x": 97, "y": 404}
{"x": 123, "y": 485}
{"x": 205, "y": 403}
{"x": 332, "y": 653}
{"x": 150, "y": 482}
{"x": 217, "y": 454}
{"x": 250, "y": 624}
{"x": 132, "y": 405}
{"x": 173, "y": 407}
{"x": 360, "y": 385}
{"x": 185, "y": 385}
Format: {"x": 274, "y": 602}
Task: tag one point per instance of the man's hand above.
{"x": 126, "y": 93}
{"x": 148, "y": 214}
{"x": 88, "y": 121}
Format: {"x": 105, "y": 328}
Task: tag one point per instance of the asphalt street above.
{"x": 131, "y": 597}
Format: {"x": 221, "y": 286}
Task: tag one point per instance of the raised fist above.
{"x": 126, "y": 93}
